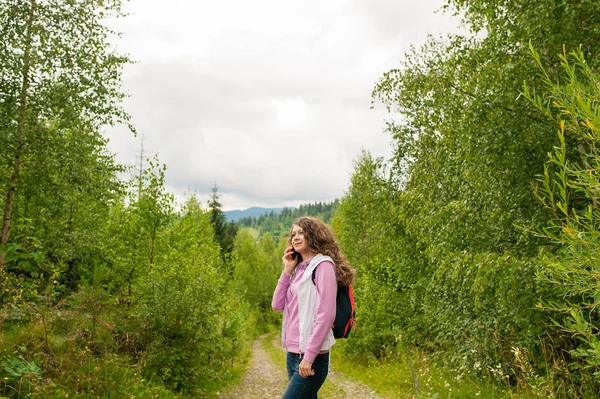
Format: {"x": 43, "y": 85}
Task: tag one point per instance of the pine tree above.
{"x": 224, "y": 232}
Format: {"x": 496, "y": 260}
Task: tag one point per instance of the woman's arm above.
{"x": 289, "y": 264}
{"x": 326, "y": 283}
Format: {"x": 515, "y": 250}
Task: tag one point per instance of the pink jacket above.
{"x": 285, "y": 298}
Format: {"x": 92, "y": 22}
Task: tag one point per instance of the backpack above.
{"x": 344, "y": 310}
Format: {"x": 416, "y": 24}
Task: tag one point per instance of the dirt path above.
{"x": 265, "y": 380}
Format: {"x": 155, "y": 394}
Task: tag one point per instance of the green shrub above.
{"x": 569, "y": 189}
{"x": 183, "y": 298}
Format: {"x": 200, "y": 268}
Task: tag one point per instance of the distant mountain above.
{"x": 250, "y": 212}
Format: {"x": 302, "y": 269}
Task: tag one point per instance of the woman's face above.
{"x": 298, "y": 240}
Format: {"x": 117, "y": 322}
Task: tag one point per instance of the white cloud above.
{"x": 269, "y": 99}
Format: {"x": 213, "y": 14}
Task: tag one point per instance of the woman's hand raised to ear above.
{"x": 289, "y": 264}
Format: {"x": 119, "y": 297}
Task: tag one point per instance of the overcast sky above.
{"x": 269, "y": 99}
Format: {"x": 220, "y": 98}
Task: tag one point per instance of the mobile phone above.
{"x": 294, "y": 254}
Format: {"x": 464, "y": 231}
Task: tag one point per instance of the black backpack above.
{"x": 344, "y": 310}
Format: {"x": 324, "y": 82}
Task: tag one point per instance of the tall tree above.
{"x": 68, "y": 185}
{"x": 468, "y": 148}
{"x": 224, "y": 232}
{"x": 56, "y": 66}
{"x": 136, "y": 223}
{"x": 217, "y": 218}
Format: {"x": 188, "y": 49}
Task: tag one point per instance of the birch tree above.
{"x": 57, "y": 68}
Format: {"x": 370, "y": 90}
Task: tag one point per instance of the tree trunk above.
{"x": 10, "y": 195}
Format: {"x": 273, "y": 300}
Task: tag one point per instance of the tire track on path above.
{"x": 262, "y": 380}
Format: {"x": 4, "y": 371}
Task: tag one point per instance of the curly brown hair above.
{"x": 320, "y": 239}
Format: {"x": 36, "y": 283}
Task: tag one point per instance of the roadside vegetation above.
{"x": 476, "y": 244}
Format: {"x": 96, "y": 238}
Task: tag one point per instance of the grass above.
{"x": 394, "y": 379}
{"x": 57, "y": 358}
{"x": 66, "y": 370}
{"x": 276, "y": 354}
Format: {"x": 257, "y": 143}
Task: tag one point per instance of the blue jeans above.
{"x": 305, "y": 388}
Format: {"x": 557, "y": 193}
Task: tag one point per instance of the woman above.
{"x": 309, "y": 306}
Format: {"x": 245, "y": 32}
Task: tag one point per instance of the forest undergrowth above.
{"x": 476, "y": 242}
